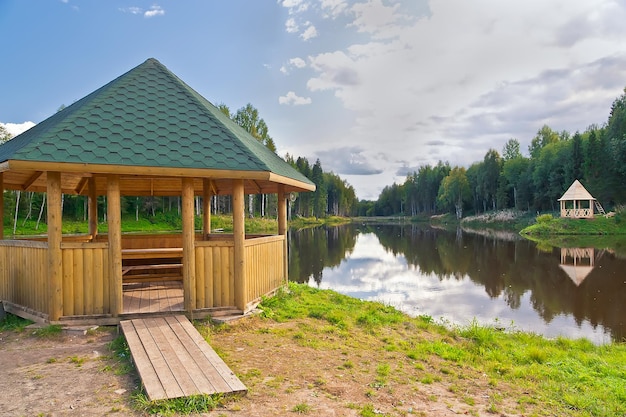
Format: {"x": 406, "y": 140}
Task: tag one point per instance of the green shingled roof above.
{"x": 146, "y": 117}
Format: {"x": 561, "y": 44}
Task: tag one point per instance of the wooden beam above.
{"x": 256, "y": 186}
{"x": 282, "y": 226}
{"x": 80, "y": 187}
{"x": 55, "y": 258}
{"x": 92, "y": 208}
{"x": 115, "y": 244}
{"x": 1, "y": 205}
{"x": 239, "y": 237}
{"x": 206, "y": 207}
{"x": 31, "y": 180}
{"x": 189, "y": 255}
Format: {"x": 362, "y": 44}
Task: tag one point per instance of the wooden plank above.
{"x": 158, "y": 361}
{"x": 173, "y": 360}
{"x": 229, "y": 376}
{"x": 127, "y": 268}
{"x": 176, "y": 367}
{"x": 193, "y": 360}
{"x": 152, "y": 253}
{"x": 152, "y": 383}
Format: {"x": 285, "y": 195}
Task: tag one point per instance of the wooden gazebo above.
{"x": 577, "y": 202}
{"x": 146, "y": 133}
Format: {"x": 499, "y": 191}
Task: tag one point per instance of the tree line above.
{"x": 510, "y": 180}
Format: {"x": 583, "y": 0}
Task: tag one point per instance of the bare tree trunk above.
{"x": 30, "y": 208}
{"x": 17, "y": 206}
{"x": 43, "y": 204}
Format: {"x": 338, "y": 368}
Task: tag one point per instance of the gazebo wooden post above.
{"x": 55, "y": 258}
{"x": 239, "y": 237}
{"x": 1, "y": 206}
{"x": 189, "y": 256}
{"x": 282, "y": 226}
{"x": 92, "y": 208}
{"x": 206, "y": 207}
{"x": 114, "y": 222}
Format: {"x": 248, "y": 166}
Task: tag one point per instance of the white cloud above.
{"x": 16, "y": 128}
{"x": 155, "y": 10}
{"x": 296, "y": 6}
{"x": 292, "y": 99}
{"x": 293, "y": 63}
{"x": 334, "y": 8}
{"x": 131, "y": 10}
{"x": 291, "y": 26}
{"x": 309, "y": 33}
{"x": 297, "y": 62}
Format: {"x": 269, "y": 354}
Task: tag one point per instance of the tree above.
{"x": 488, "y": 178}
{"x": 455, "y": 190}
{"x": 514, "y": 172}
{"x": 511, "y": 150}
{"x": 544, "y": 137}
{"x": 4, "y": 134}
{"x": 248, "y": 118}
{"x": 320, "y": 198}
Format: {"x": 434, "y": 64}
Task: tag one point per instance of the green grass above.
{"x": 14, "y": 323}
{"x": 599, "y": 225}
{"x": 560, "y": 377}
{"x": 171, "y": 222}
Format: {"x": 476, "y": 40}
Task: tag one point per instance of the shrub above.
{"x": 544, "y": 218}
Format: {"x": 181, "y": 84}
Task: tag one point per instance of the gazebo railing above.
{"x": 577, "y": 212}
{"x": 23, "y": 274}
{"x": 87, "y": 285}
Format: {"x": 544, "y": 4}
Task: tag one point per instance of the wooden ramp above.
{"x": 174, "y": 360}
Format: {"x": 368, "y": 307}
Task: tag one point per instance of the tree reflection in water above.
{"x": 460, "y": 276}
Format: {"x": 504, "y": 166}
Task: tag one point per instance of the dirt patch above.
{"x": 286, "y": 370}
{"x": 63, "y": 375}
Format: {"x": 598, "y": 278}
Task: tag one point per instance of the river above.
{"x": 459, "y": 277}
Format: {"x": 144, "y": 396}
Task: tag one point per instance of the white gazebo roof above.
{"x": 576, "y": 191}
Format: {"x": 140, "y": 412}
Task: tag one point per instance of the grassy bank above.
{"x": 547, "y": 225}
{"x": 390, "y": 358}
{"x": 170, "y": 222}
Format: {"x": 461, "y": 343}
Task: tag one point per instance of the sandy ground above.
{"x": 63, "y": 375}
{"x": 75, "y": 375}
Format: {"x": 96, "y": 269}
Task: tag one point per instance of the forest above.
{"x": 511, "y": 180}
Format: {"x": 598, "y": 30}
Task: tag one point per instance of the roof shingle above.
{"x": 146, "y": 117}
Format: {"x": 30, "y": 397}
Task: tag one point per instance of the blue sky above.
{"x": 374, "y": 88}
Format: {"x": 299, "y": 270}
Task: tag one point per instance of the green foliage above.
{"x": 544, "y": 218}
{"x": 553, "y": 227}
{"x": 13, "y": 323}
{"x": 195, "y": 404}
{"x": 48, "y": 331}
{"x": 302, "y": 408}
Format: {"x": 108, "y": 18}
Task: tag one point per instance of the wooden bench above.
{"x": 153, "y": 264}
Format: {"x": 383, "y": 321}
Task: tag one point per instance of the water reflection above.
{"x": 461, "y": 276}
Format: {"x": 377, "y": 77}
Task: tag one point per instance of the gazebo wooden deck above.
{"x": 145, "y": 133}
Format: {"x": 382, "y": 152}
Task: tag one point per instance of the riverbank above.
{"x": 319, "y": 353}
{"x": 547, "y": 225}
{"x": 336, "y": 355}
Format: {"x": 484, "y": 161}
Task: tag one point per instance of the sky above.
{"x": 373, "y": 88}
